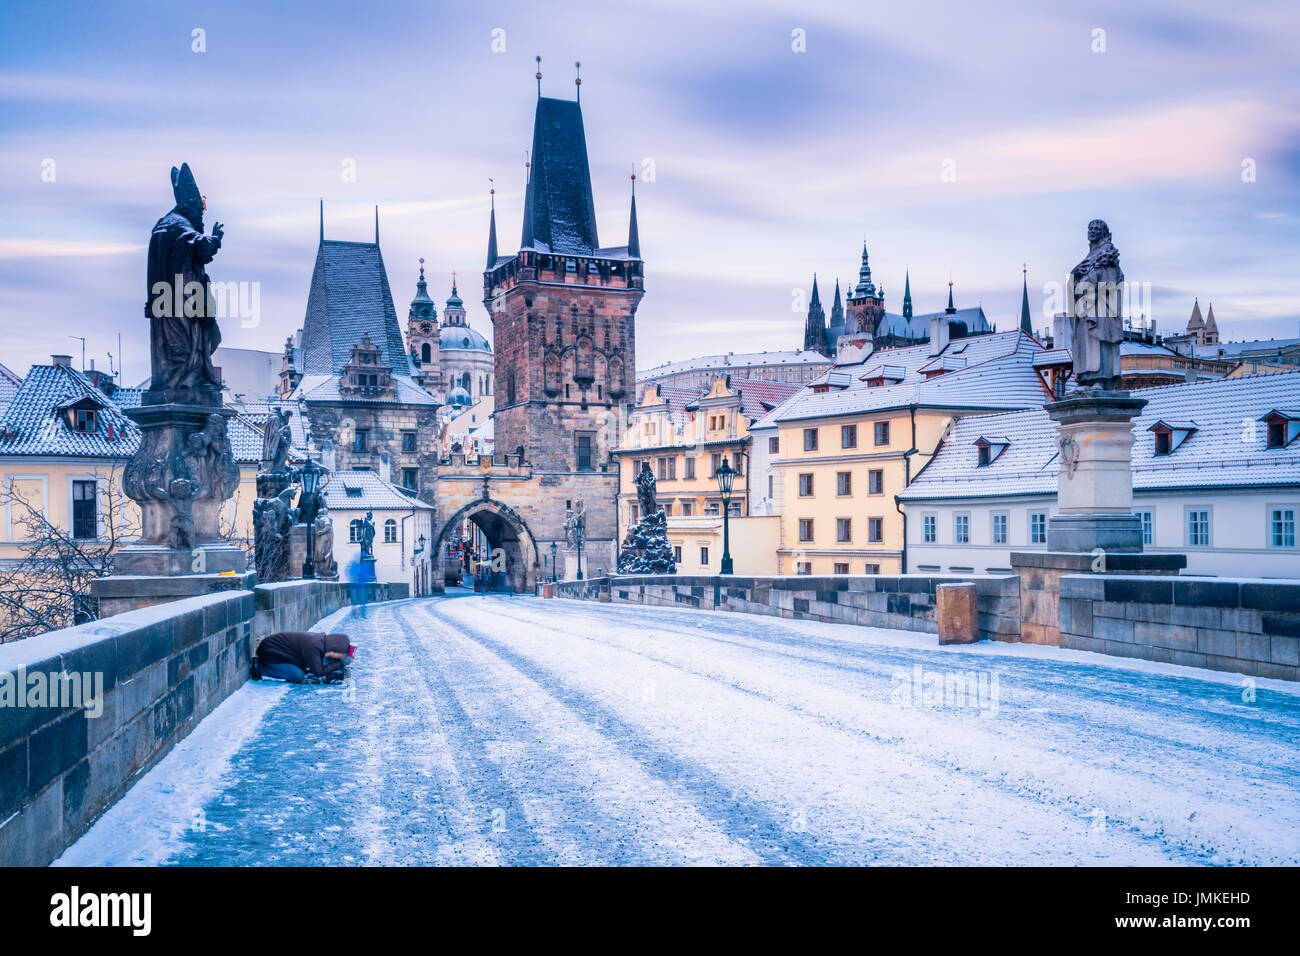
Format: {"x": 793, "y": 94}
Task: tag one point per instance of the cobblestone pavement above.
{"x": 507, "y": 730}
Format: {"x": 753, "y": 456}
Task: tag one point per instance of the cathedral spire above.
{"x": 814, "y": 332}
{"x": 633, "y": 236}
{"x": 492, "y": 227}
{"x": 865, "y": 285}
{"x": 1026, "y": 321}
{"x": 907, "y": 295}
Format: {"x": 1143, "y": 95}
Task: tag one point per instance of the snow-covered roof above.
{"x": 731, "y": 360}
{"x": 33, "y": 425}
{"x": 999, "y": 374}
{"x": 1228, "y": 448}
{"x": 358, "y": 490}
{"x": 9, "y": 383}
{"x": 325, "y": 388}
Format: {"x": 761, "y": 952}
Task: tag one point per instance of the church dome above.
{"x": 459, "y": 398}
{"x": 462, "y": 337}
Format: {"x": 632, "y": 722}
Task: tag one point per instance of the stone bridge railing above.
{"x": 85, "y": 710}
{"x": 902, "y": 601}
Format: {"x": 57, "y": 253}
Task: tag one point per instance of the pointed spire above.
{"x": 376, "y": 224}
{"x": 322, "y": 219}
{"x": 865, "y": 285}
{"x": 1026, "y": 320}
{"x": 1209, "y": 319}
{"x": 577, "y": 79}
{"x": 951, "y": 310}
{"x": 816, "y": 298}
{"x": 526, "y": 241}
{"x": 492, "y": 226}
{"x": 907, "y": 295}
{"x": 1195, "y": 322}
{"x": 633, "y": 234}
{"x": 814, "y": 332}
{"x": 539, "y": 77}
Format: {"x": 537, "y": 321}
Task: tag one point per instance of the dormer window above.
{"x": 1169, "y": 436}
{"x": 990, "y": 448}
{"x": 1283, "y": 427}
{"x": 85, "y": 420}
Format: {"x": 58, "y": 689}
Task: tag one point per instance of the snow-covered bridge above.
{"x": 514, "y": 730}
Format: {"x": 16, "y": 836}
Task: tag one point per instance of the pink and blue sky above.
{"x": 768, "y": 164}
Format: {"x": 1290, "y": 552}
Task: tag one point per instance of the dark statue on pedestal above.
{"x": 323, "y": 545}
{"x": 1095, "y": 316}
{"x": 273, "y": 519}
{"x": 367, "y": 536}
{"x": 183, "y": 331}
{"x": 645, "y": 547}
{"x": 183, "y": 471}
{"x": 276, "y": 442}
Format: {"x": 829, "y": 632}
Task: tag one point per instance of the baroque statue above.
{"x": 183, "y": 331}
{"x": 367, "y": 536}
{"x": 1096, "y": 304}
{"x": 323, "y": 545}
{"x": 575, "y": 525}
{"x": 645, "y": 548}
{"x": 276, "y": 441}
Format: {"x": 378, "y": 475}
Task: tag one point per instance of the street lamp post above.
{"x": 309, "y": 476}
{"x": 726, "y": 475}
{"x": 578, "y": 534}
{"x": 554, "y": 549}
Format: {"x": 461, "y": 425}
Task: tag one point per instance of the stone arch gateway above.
{"x": 508, "y": 536}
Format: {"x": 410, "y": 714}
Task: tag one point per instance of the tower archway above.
{"x": 512, "y": 549}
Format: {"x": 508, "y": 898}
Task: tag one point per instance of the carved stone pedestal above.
{"x": 181, "y": 475}
{"x": 1095, "y": 483}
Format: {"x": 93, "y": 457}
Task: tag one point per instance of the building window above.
{"x": 704, "y": 556}
{"x": 1148, "y": 526}
{"x": 961, "y": 528}
{"x": 805, "y": 485}
{"x": 667, "y": 468}
{"x": 773, "y": 446}
{"x": 408, "y": 442}
{"x": 848, "y": 436}
{"x": 688, "y": 508}
{"x": 1281, "y": 524}
{"x": 1038, "y": 527}
{"x": 360, "y": 440}
{"x": 1277, "y": 433}
{"x": 411, "y": 478}
{"x": 85, "y": 419}
{"x": 843, "y": 529}
{"x": 677, "y": 553}
{"x": 770, "y": 486}
{"x": 875, "y": 482}
{"x": 882, "y": 433}
{"x": 929, "y": 528}
{"x": 738, "y": 462}
{"x": 354, "y": 531}
{"x": 690, "y": 468}
{"x": 390, "y": 531}
{"x": 873, "y": 569}
{"x": 876, "y": 529}
{"x": 85, "y": 521}
{"x": 810, "y": 439}
{"x": 584, "y": 453}
{"x": 805, "y": 529}
{"x": 841, "y": 568}
{"x": 1162, "y": 442}
{"x": 844, "y": 483}
{"x": 803, "y": 567}
{"x": 1198, "y": 527}
{"x": 998, "y": 522}
{"x": 634, "y": 513}
{"x": 668, "y": 509}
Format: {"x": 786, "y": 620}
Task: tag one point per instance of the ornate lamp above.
{"x": 726, "y": 475}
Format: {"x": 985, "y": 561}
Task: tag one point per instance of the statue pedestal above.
{"x": 1095, "y": 482}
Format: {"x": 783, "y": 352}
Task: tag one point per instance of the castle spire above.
{"x": 1026, "y": 321}
{"x": 633, "y": 235}
{"x": 907, "y": 295}
{"x": 865, "y": 285}
{"x": 951, "y": 310}
{"x": 814, "y": 332}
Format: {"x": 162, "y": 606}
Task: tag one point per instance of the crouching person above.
{"x": 303, "y": 657}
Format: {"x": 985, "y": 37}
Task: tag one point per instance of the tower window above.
{"x": 426, "y": 354}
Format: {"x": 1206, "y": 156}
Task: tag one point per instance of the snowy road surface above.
{"x": 506, "y": 730}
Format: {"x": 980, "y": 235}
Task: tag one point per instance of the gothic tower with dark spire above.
{"x": 866, "y": 303}
{"x": 814, "y": 330}
{"x": 563, "y": 310}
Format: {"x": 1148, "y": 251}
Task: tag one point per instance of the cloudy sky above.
{"x": 960, "y": 140}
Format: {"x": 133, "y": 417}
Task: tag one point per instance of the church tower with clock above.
{"x": 422, "y": 336}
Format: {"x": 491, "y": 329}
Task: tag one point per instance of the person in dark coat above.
{"x": 303, "y": 657}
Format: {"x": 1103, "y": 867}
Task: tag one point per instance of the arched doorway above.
{"x": 513, "y": 550}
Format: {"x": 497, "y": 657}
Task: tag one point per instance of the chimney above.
{"x": 938, "y": 334}
{"x": 1060, "y": 331}
{"x": 62, "y": 360}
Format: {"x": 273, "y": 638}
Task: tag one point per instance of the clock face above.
{"x": 426, "y": 328}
